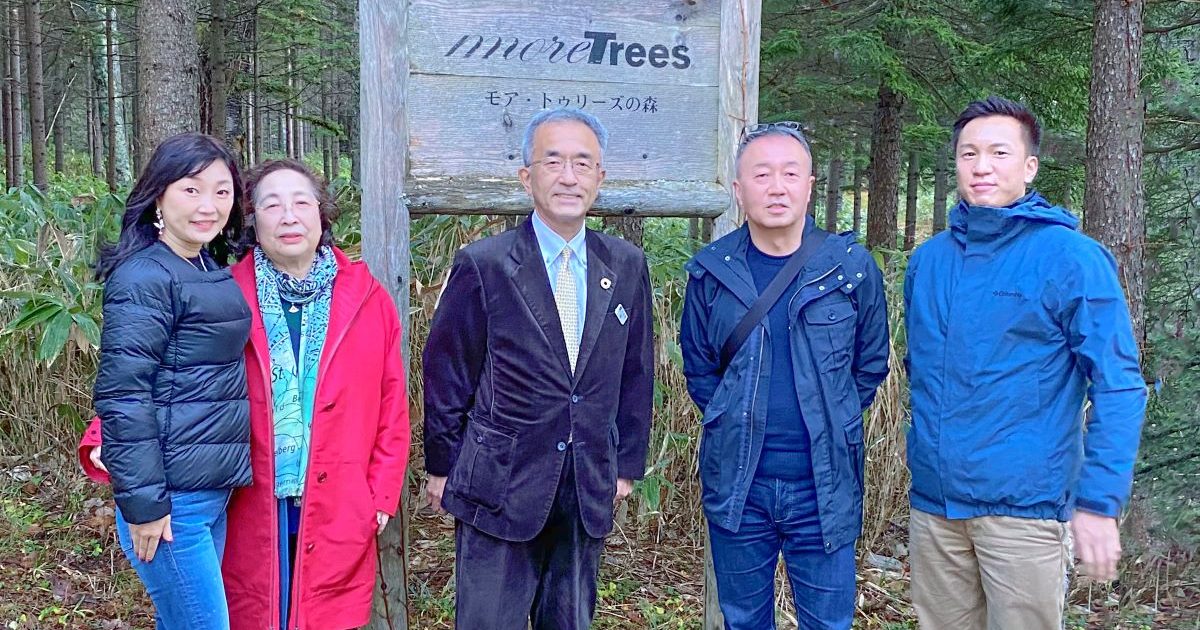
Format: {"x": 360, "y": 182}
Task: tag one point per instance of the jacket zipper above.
{"x": 762, "y": 342}
{"x": 821, "y": 391}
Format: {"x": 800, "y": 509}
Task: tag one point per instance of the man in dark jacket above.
{"x": 538, "y": 391}
{"x": 1013, "y": 319}
{"x": 781, "y": 461}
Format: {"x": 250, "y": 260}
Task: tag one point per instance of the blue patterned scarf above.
{"x": 293, "y": 387}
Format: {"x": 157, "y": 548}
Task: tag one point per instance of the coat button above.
{"x": 330, "y": 405}
{"x": 322, "y": 477}
{"x": 479, "y": 439}
{"x": 574, "y": 398}
{"x": 309, "y": 547}
{"x": 849, "y": 286}
{"x": 821, "y": 288}
{"x": 562, "y": 446}
{"x": 858, "y": 275}
{"x": 839, "y": 277}
{"x": 832, "y": 316}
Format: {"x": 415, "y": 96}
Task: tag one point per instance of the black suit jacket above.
{"x": 500, "y": 400}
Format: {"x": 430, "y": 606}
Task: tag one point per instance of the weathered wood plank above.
{"x": 741, "y": 26}
{"x": 671, "y": 135}
{"x": 383, "y": 73}
{"x": 505, "y": 196}
{"x": 660, "y": 42}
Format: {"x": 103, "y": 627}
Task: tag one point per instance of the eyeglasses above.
{"x": 556, "y": 165}
{"x": 785, "y": 127}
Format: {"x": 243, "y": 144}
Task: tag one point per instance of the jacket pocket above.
{"x": 484, "y": 466}
{"x": 830, "y": 327}
{"x": 854, "y": 445}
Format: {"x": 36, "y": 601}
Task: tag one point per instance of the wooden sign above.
{"x": 650, "y": 70}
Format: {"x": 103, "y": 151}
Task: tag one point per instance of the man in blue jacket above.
{"x": 781, "y": 460}
{"x": 1014, "y": 318}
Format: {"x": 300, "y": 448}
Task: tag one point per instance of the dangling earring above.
{"x": 159, "y": 223}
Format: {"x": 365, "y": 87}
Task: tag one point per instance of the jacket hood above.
{"x": 982, "y": 223}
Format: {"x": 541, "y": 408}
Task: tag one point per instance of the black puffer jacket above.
{"x": 171, "y": 389}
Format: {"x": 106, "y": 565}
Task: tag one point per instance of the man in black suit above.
{"x": 539, "y": 381}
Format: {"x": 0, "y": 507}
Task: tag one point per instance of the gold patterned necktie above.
{"x": 566, "y": 298}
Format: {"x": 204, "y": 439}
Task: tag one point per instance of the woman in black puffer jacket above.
{"x": 171, "y": 387}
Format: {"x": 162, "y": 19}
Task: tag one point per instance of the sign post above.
{"x": 448, "y": 86}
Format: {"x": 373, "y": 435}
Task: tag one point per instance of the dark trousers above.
{"x": 781, "y": 516}
{"x": 549, "y": 581}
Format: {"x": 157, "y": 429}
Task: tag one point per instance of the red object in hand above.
{"x": 89, "y": 441}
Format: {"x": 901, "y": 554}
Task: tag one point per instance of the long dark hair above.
{"x": 177, "y": 157}
{"x": 326, "y": 205}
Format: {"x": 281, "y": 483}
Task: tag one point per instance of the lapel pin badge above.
{"x": 605, "y": 284}
{"x": 622, "y": 316}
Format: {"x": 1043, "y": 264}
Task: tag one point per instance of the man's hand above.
{"x": 381, "y": 520}
{"x": 434, "y": 487}
{"x": 624, "y": 487}
{"x": 1097, "y": 544}
{"x": 146, "y": 537}
{"x": 94, "y": 456}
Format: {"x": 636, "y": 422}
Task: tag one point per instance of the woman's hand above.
{"x": 147, "y": 535}
{"x": 381, "y": 519}
{"x": 94, "y": 456}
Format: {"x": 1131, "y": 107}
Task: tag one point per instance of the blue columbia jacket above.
{"x": 839, "y": 344}
{"x": 1013, "y": 318}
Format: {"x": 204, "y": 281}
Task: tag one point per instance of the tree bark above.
{"x": 630, "y": 228}
{"x": 37, "y": 93}
{"x": 218, "y": 79}
{"x": 14, "y": 83}
{"x": 1114, "y": 196}
{"x": 858, "y": 183}
{"x": 883, "y": 199}
{"x": 6, "y": 116}
{"x": 910, "y": 200}
{"x": 941, "y": 189}
{"x": 110, "y": 85}
{"x": 168, "y": 72}
{"x": 58, "y": 123}
{"x": 833, "y": 192}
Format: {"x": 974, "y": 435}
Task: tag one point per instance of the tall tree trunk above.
{"x": 110, "y": 56}
{"x": 815, "y": 193}
{"x": 58, "y": 122}
{"x": 941, "y": 189}
{"x": 630, "y": 228}
{"x": 858, "y": 186}
{"x": 883, "y": 197}
{"x": 256, "y": 117}
{"x": 37, "y": 93}
{"x": 218, "y": 79}
{"x": 18, "y": 111}
{"x": 910, "y": 201}
{"x": 95, "y": 143}
{"x": 1114, "y": 197}
{"x": 6, "y": 116}
{"x": 833, "y": 192}
{"x": 168, "y": 72}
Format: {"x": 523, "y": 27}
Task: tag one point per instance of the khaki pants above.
{"x": 988, "y": 573}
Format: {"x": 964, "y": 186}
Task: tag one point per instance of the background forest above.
{"x": 89, "y": 87}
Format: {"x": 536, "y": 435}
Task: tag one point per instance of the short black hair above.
{"x": 999, "y": 106}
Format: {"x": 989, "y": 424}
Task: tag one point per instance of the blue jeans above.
{"x": 184, "y": 578}
{"x": 781, "y": 516}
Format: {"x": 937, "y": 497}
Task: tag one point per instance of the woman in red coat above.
{"x": 328, "y": 415}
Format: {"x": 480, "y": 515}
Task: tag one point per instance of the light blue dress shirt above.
{"x": 552, "y": 245}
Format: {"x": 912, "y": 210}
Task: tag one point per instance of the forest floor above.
{"x": 61, "y": 567}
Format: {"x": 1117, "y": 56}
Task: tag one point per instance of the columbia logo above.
{"x": 1009, "y": 294}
